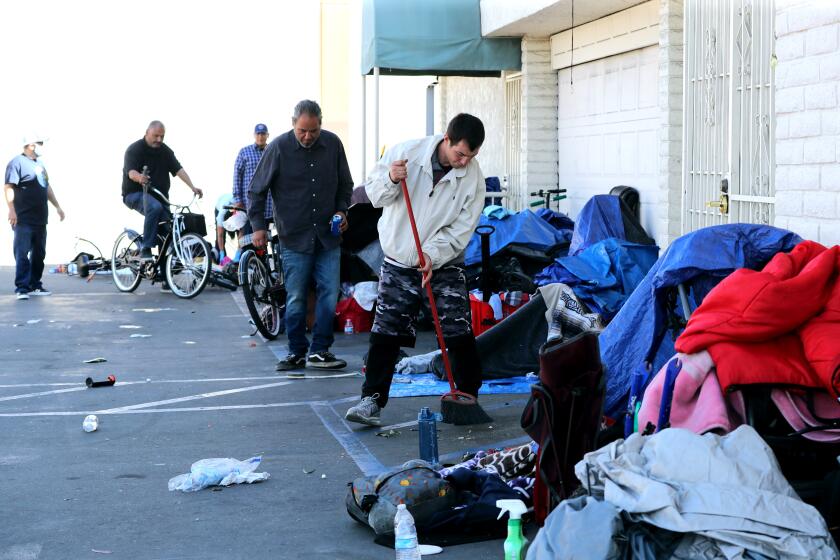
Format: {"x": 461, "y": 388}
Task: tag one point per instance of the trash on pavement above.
{"x": 218, "y": 472}
{"x": 90, "y": 423}
{"x": 153, "y": 309}
{"x": 107, "y": 383}
{"x": 130, "y": 327}
{"x": 138, "y": 335}
{"x": 96, "y": 361}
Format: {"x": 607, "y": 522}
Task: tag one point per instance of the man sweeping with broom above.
{"x": 436, "y": 180}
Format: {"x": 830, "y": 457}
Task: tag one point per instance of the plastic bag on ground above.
{"x": 218, "y": 472}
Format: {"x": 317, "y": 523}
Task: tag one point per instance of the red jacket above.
{"x": 777, "y": 326}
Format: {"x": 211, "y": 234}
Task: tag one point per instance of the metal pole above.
{"x": 376, "y": 112}
{"x": 430, "y": 109}
{"x": 364, "y": 127}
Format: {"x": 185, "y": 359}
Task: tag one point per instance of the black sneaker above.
{"x": 146, "y": 255}
{"x": 325, "y": 360}
{"x": 292, "y": 361}
{"x": 40, "y": 292}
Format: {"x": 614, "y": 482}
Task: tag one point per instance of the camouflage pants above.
{"x": 401, "y": 297}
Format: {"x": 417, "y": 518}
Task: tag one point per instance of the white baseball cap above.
{"x": 34, "y": 139}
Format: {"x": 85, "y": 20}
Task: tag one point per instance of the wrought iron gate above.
{"x": 728, "y": 124}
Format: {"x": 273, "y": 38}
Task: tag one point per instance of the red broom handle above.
{"x": 432, "y": 305}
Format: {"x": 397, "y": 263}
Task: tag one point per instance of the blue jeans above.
{"x": 154, "y": 212}
{"x": 299, "y": 269}
{"x": 30, "y": 247}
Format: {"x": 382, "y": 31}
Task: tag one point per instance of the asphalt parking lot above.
{"x": 193, "y": 386}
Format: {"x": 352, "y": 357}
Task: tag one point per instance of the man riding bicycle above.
{"x": 151, "y": 152}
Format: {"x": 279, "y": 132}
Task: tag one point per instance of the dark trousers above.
{"x": 397, "y": 306}
{"x": 382, "y": 359}
{"x": 30, "y": 247}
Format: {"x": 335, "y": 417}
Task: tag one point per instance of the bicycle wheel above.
{"x": 125, "y": 266}
{"x": 257, "y": 289}
{"x": 188, "y": 277}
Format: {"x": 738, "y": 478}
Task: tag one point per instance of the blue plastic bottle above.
{"x": 427, "y": 426}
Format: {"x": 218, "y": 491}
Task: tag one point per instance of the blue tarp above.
{"x": 698, "y": 260}
{"x": 604, "y": 275}
{"x": 425, "y": 384}
{"x": 600, "y": 218}
{"x": 523, "y": 228}
{"x": 434, "y": 38}
{"x": 556, "y": 219}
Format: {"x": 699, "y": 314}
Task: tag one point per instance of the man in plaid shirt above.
{"x": 243, "y": 171}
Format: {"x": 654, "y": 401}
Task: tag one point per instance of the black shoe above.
{"x": 292, "y": 361}
{"x": 146, "y": 255}
{"x": 325, "y": 360}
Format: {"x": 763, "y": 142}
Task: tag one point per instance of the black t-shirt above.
{"x": 31, "y": 186}
{"x": 160, "y": 161}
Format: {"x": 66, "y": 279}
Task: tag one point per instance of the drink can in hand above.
{"x": 335, "y": 224}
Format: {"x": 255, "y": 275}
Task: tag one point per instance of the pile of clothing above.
{"x": 680, "y": 495}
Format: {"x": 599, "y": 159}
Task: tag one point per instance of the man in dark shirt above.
{"x": 27, "y": 190}
{"x": 306, "y": 172}
{"x": 151, "y": 152}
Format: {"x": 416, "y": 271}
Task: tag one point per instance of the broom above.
{"x": 456, "y": 407}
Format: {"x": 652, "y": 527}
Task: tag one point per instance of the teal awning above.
{"x": 432, "y": 37}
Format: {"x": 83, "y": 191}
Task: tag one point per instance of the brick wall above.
{"x": 808, "y": 118}
{"x": 671, "y": 41}
{"x": 539, "y": 119}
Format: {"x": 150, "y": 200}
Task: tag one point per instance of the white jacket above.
{"x": 445, "y": 218}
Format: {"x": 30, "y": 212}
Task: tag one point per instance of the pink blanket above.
{"x": 699, "y": 404}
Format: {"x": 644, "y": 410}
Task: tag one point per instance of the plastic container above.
{"x": 348, "y": 326}
{"x": 427, "y": 428}
{"x": 72, "y": 269}
{"x": 90, "y": 423}
{"x": 405, "y": 535}
{"x": 515, "y": 543}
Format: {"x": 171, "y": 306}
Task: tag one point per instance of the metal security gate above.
{"x": 513, "y": 141}
{"x": 728, "y": 128}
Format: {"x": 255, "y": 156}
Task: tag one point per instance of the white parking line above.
{"x": 193, "y": 397}
{"x": 41, "y": 394}
{"x": 116, "y": 412}
{"x": 205, "y": 380}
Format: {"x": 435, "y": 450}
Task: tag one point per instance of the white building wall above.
{"x": 609, "y": 126}
{"x": 808, "y": 118}
{"x": 484, "y": 98}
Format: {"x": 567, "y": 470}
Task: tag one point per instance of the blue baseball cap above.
{"x": 261, "y": 129}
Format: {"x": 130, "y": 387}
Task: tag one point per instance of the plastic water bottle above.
{"x": 405, "y": 535}
{"x": 72, "y": 269}
{"x": 348, "y": 326}
{"x": 90, "y": 423}
{"x": 427, "y": 427}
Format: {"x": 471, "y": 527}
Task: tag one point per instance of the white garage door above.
{"x": 608, "y": 131}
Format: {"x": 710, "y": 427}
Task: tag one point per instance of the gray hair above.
{"x": 309, "y": 107}
{"x": 154, "y": 124}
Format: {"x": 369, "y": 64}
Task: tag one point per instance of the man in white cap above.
{"x": 27, "y": 189}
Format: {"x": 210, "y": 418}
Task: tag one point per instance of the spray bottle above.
{"x": 515, "y": 543}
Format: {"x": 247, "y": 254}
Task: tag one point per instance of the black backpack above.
{"x": 373, "y": 500}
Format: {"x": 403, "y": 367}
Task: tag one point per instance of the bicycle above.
{"x": 184, "y": 255}
{"x": 548, "y": 196}
{"x": 261, "y": 278}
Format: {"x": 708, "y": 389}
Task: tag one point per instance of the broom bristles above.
{"x": 463, "y": 413}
